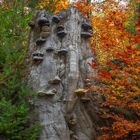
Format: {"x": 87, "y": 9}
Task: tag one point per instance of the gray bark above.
{"x": 58, "y": 67}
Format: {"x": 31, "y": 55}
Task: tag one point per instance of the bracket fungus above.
{"x": 37, "y": 56}
{"x": 49, "y": 49}
{"x": 81, "y": 91}
{"x": 87, "y": 30}
{"x": 40, "y": 41}
{"x": 62, "y": 52}
{"x": 56, "y": 80}
{"x": 60, "y": 31}
{"x": 42, "y": 21}
{"x": 61, "y": 34}
{"x": 60, "y": 28}
{"x": 87, "y": 34}
{"x": 50, "y": 92}
{"x": 85, "y": 99}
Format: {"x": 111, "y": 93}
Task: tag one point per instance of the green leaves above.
{"x": 15, "y": 112}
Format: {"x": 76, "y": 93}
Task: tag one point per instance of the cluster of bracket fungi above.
{"x": 44, "y": 23}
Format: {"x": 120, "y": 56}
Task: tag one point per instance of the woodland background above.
{"x": 116, "y": 44}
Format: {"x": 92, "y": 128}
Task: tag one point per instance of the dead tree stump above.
{"x": 59, "y": 56}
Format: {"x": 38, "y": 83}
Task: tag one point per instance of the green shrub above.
{"x": 15, "y": 112}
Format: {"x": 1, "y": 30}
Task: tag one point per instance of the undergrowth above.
{"x": 15, "y": 111}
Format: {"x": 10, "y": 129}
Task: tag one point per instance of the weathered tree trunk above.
{"x": 59, "y": 57}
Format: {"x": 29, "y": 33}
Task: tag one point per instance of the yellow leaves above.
{"x": 54, "y": 6}
{"x": 136, "y": 88}
{"x": 113, "y": 87}
{"x": 126, "y": 23}
{"x": 119, "y": 88}
{"x": 84, "y": 7}
{"x": 110, "y": 35}
{"x": 111, "y": 40}
{"x": 119, "y": 95}
{"x": 63, "y": 4}
{"x": 43, "y": 4}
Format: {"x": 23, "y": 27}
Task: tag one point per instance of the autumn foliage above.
{"x": 54, "y": 6}
{"x": 118, "y": 51}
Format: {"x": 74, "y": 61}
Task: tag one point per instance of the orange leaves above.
{"x": 63, "y": 4}
{"x": 138, "y": 26}
{"x": 84, "y": 7}
{"x": 110, "y": 35}
{"x": 54, "y": 6}
{"x": 134, "y": 106}
{"x": 121, "y": 129}
{"x": 94, "y": 64}
{"x": 129, "y": 55}
{"x": 124, "y": 127}
{"x": 44, "y": 4}
{"x": 119, "y": 71}
{"x": 104, "y": 74}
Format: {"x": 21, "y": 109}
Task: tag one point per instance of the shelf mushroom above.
{"x": 50, "y": 92}
{"x": 40, "y": 41}
{"x": 62, "y": 52}
{"x": 61, "y": 34}
{"x": 60, "y": 31}
{"x": 87, "y": 30}
{"x": 60, "y": 28}
{"x": 37, "y": 56}
{"x": 49, "y": 49}
{"x": 81, "y": 91}
{"x": 86, "y": 34}
{"x": 42, "y": 21}
{"x": 56, "y": 80}
{"x": 85, "y": 99}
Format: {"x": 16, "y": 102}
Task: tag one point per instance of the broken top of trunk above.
{"x": 63, "y": 69}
